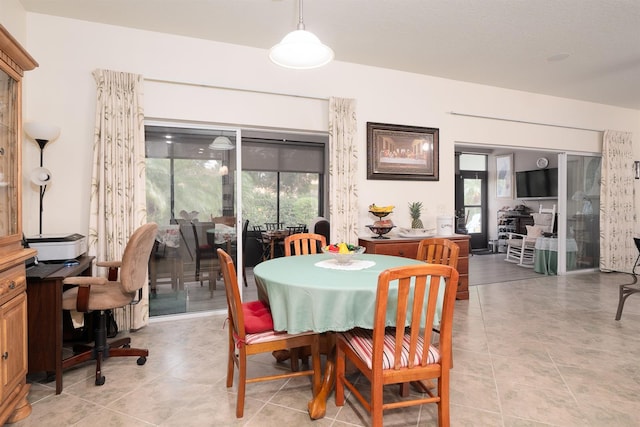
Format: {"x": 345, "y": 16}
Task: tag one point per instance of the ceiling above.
{"x": 505, "y": 43}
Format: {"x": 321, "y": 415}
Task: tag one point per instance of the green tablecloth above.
{"x": 546, "y": 255}
{"x": 304, "y": 296}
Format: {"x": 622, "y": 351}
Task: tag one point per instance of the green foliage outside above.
{"x": 198, "y": 187}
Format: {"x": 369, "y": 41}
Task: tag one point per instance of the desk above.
{"x": 44, "y": 299}
{"x": 304, "y": 296}
{"x": 546, "y": 255}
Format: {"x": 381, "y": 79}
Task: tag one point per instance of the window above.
{"x": 282, "y": 181}
{"x": 283, "y": 177}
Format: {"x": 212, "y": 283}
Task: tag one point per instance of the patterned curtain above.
{"x": 343, "y": 169}
{"x": 617, "y": 210}
{"x": 117, "y": 202}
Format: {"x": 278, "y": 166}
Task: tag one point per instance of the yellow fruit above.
{"x": 343, "y": 249}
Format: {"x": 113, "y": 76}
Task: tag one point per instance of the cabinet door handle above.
{"x": 12, "y": 285}
{"x": 5, "y": 355}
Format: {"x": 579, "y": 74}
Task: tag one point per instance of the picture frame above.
{"x": 399, "y": 152}
{"x": 504, "y": 176}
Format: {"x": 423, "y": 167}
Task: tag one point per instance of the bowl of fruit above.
{"x": 343, "y": 253}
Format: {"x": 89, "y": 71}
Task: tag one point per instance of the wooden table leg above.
{"x": 318, "y": 405}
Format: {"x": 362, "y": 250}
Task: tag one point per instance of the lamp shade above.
{"x": 221, "y": 143}
{"x": 301, "y": 50}
{"x": 40, "y": 176}
{"x": 41, "y": 131}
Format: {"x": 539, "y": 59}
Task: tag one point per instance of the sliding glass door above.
{"x": 582, "y": 211}
{"x": 192, "y": 192}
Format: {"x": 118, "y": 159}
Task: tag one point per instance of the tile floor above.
{"x": 535, "y": 352}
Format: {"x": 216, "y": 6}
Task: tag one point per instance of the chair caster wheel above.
{"x": 100, "y": 381}
{"x": 141, "y": 360}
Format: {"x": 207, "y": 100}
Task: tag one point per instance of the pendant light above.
{"x": 221, "y": 143}
{"x": 301, "y": 49}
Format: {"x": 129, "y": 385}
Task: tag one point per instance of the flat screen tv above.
{"x": 537, "y": 184}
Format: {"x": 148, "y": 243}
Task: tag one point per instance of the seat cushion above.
{"x": 257, "y": 317}
{"x": 262, "y": 337}
{"x": 534, "y": 231}
{"x": 361, "y": 341}
{"x": 101, "y": 297}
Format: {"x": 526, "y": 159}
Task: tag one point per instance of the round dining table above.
{"x": 315, "y": 293}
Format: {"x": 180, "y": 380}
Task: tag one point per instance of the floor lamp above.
{"x": 41, "y": 134}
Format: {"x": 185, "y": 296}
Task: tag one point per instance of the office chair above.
{"x": 100, "y": 294}
{"x": 627, "y": 289}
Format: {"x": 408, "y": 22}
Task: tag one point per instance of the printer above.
{"x": 58, "y": 247}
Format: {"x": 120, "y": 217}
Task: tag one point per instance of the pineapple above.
{"x": 415, "y": 209}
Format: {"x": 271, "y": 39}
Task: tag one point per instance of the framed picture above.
{"x": 402, "y": 152}
{"x": 504, "y": 176}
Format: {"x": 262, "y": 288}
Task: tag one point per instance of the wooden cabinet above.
{"x": 14, "y": 406}
{"x": 408, "y": 248}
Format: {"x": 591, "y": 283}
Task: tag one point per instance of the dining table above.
{"x": 221, "y": 236}
{"x": 316, "y": 293}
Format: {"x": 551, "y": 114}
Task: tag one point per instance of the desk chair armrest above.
{"x": 109, "y": 264}
{"x": 85, "y": 281}
{"x": 113, "y": 267}
{"x": 84, "y": 284}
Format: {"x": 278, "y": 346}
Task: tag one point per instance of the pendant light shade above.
{"x": 221, "y": 143}
{"x": 301, "y": 49}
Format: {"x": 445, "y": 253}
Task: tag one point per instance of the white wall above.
{"x": 62, "y": 92}
{"x": 14, "y": 18}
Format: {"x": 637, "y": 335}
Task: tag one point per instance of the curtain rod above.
{"x": 524, "y": 121}
{"x": 262, "y": 92}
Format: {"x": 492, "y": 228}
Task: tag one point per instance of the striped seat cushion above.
{"x": 361, "y": 341}
{"x": 265, "y": 337}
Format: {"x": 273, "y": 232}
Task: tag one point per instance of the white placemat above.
{"x": 357, "y": 264}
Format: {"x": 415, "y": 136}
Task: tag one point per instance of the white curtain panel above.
{"x": 343, "y": 170}
{"x": 117, "y": 202}
{"x": 617, "y": 210}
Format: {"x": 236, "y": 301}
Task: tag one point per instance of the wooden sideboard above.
{"x": 408, "y": 248}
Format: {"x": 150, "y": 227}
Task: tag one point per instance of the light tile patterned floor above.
{"x": 535, "y": 352}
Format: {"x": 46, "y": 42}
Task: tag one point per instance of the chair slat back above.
{"x": 273, "y": 226}
{"x": 415, "y": 299}
{"x": 304, "y": 244}
{"x": 234, "y": 302}
{"x": 438, "y": 251}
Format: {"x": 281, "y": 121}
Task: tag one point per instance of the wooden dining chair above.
{"x": 438, "y": 251}
{"x": 386, "y": 355}
{"x": 304, "y": 244}
{"x": 204, "y": 251}
{"x": 251, "y": 332}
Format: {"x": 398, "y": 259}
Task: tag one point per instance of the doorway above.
{"x": 471, "y": 199}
